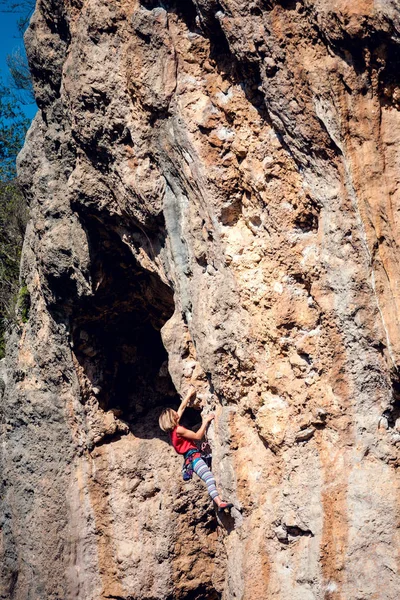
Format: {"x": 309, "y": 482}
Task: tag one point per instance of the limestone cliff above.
{"x": 214, "y": 196}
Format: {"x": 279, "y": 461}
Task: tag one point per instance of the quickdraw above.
{"x": 206, "y": 453}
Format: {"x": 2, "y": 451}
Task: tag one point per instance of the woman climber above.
{"x": 183, "y": 442}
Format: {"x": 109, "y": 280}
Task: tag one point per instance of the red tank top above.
{"x": 180, "y": 444}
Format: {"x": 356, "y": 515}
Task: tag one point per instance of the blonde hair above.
{"x": 167, "y": 419}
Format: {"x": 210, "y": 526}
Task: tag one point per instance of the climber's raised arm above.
{"x": 191, "y": 392}
{"x": 198, "y": 435}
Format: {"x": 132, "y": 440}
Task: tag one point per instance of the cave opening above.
{"x": 116, "y": 332}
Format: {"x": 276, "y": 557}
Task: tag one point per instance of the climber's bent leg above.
{"x": 200, "y": 467}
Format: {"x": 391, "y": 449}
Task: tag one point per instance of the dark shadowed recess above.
{"x": 201, "y": 593}
{"x": 371, "y": 52}
{"x": 388, "y": 53}
{"x": 116, "y": 332}
{"x": 393, "y": 413}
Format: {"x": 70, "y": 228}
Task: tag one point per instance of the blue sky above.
{"x": 10, "y": 40}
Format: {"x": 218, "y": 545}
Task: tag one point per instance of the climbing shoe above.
{"x": 225, "y": 506}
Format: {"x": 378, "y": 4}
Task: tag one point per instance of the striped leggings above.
{"x": 201, "y": 469}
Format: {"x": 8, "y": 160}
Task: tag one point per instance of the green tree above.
{"x": 17, "y": 62}
{"x": 13, "y": 210}
{"x": 24, "y": 8}
{"x": 13, "y": 127}
{"x": 21, "y": 80}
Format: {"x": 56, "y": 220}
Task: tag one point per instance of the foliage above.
{"x": 21, "y": 80}
{"x": 24, "y": 303}
{"x": 13, "y": 127}
{"x": 17, "y": 62}
{"x": 13, "y": 218}
{"x": 24, "y": 7}
{"x": 13, "y": 210}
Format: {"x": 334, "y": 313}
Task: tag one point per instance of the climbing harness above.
{"x": 188, "y": 458}
{"x": 203, "y": 452}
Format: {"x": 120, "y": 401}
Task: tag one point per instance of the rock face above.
{"x": 214, "y": 193}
